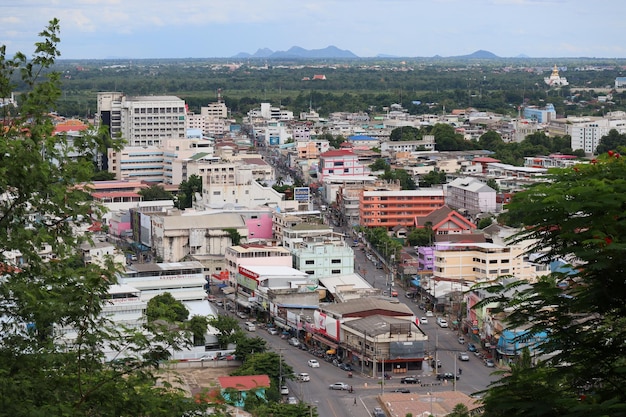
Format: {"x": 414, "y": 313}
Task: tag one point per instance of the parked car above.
{"x": 272, "y": 330}
{"x": 303, "y": 377}
{"x": 313, "y": 363}
{"x": 212, "y": 298}
{"x": 284, "y": 390}
{"x": 447, "y": 375}
{"x": 292, "y": 400}
{"x": 471, "y": 347}
{"x": 345, "y": 367}
{"x": 429, "y": 314}
{"x": 242, "y": 315}
{"x": 410, "y": 380}
{"x": 402, "y": 390}
{"x": 219, "y": 303}
{"x": 424, "y": 320}
{"x": 489, "y": 363}
{"x": 463, "y": 356}
{"x": 461, "y": 340}
{"x": 442, "y": 322}
{"x": 294, "y": 342}
{"x": 339, "y": 386}
{"x": 378, "y": 412}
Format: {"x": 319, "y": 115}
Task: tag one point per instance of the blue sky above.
{"x": 98, "y": 29}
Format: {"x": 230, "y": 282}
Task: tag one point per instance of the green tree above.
{"x": 228, "y": 329}
{"x": 485, "y": 222}
{"x": 248, "y": 346}
{"x": 103, "y": 176}
{"x": 434, "y": 177}
{"x": 380, "y": 165}
{"x": 286, "y": 410}
{"x": 198, "y": 326}
{"x": 578, "y": 215}
{"x": 459, "y": 410}
{"x": 155, "y": 193}
{"x": 405, "y": 133}
{"x": 611, "y": 142}
{"x": 52, "y": 357}
{"x": 420, "y": 236}
{"x": 187, "y": 191}
{"x": 166, "y": 307}
{"x": 493, "y": 184}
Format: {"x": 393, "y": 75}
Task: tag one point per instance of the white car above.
{"x": 292, "y": 400}
{"x": 423, "y": 320}
{"x": 429, "y": 313}
{"x": 313, "y": 363}
{"x": 442, "y": 322}
{"x": 339, "y": 386}
{"x": 463, "y": 357}
{"x": 284, "y": 390}
{"x": 303, "y": 377}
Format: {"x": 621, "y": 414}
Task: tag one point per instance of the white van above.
{"x": 442, "y": 322}
{"x": 251, "y": 327}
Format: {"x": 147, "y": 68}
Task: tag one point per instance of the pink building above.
{"x": 341, "y": 163}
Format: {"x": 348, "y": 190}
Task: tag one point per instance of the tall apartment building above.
{"x": 472, "y": 195}
{"x": 342, "y": 163}
{"x": 586, "y": 135}
{"x": 141, "y": 120}
{"x": 389, "y": 209}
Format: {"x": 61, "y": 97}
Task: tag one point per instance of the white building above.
{"x": 176, "y": 234}
{"x": 323, "y": 257}
{"x": 586, "y": 134}
{"x": 472, "y": 195}
{"x": 141, "y": 120}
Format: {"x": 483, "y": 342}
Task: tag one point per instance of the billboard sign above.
{"x": 301, "y": 194}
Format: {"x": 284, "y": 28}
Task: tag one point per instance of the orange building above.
{"x": 397, "y": 208}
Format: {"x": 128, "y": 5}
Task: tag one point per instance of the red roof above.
{"x": 337, "y": 152}
{"x": 114, "y": 194}
{"x": 244, "y": 383}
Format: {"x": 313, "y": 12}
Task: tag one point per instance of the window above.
{"x": 309, "y": 262}
{"x": 336, "y": 261}
{"x": 310, "y": 272}
{"x": 493, "y": 261}
{"x": 336, "y": 271}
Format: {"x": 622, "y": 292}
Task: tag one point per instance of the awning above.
{"x": 228, "y": 290}
{"x": 243, "y": 303}
{"x": 325, "y": 341}
{"x": 281, "y": 326}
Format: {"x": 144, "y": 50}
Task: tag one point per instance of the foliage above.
{"x": 400, "y": 175}
{"x": 52, "y": 344}
{"x": 421, "y": 236}
{"x": 577, "y": 217}
{"x": 228, "y": 329}
{"x": 187, "y": 191}
{"x": 198, "y": 325}
{"x": 166, "y": 307}
{"x": 493, "y": 185}
{"x": 286, "y": 410}
{"x": 270, "y": 364}
{"x": 405, "y": 133}
{"x": 612, "y": 141}
{"x": 248, "y": 346}
{"x": 380, "y": 165}
{"x": 485, "y": 222}
{"x": 155, "y": 193}
{"x": 103, "y": 176}
{"x": 459, "y": 410}
{"x": 235, "y": 237}
{"x": 434, "y": 177}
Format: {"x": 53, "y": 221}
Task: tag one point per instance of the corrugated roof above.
{"x": 367, "y": 304}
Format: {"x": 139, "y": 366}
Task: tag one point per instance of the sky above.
{"x": 138, "y": 29}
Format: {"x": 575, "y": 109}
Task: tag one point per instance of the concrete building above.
{"x": 323, "y": 256}
{"x": 389, "y": 209}
{"x": 586, "y": 134}
{"x": 426, "y": 144}
{"x": 480, "y": 262}
{"x": 471, "y": 195}
{"x": 540, "y": 115}
{"x": 234, "y": 184}
{"x": 249, "y": 255}
{"x": 141, "y": 120}
{"x": 341, "y": 163}
{"x": 377, "y": 335}
{"x": 176, "y": 235}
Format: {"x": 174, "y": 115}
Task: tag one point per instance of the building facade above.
{"x": 389, "y": 209}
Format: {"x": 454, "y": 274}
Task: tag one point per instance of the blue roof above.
{"x": 361, "y": 137}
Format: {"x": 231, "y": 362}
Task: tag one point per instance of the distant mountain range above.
{"x": 334, "y": 52}
{"x": 298, "y": 52}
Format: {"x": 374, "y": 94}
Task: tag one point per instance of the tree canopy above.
{"x": 55, "y": 339}
{"x": 577, "y": 219}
